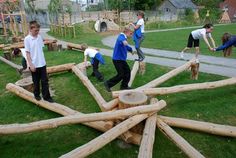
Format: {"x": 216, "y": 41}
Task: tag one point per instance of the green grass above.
{"x": 217, "y": 105}
{"x": 177, "y": 40}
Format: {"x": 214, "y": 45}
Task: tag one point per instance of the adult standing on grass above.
{"x": 138, "y": 35}
{"x": 34, "y": 52}
{"x": 228, "y": 41}
{"x": 119, "y": 60}
{"x": 194, "y": 38}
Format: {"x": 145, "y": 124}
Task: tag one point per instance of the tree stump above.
{"x": 142, "y": 67}
{"x": 59, "y": 47}
{"x": 26, "y": 83}
{"x": 131, "y": 99}
{"x": 195, "y": 70}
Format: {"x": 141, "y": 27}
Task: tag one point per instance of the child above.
{"x": 34, "y": 52}
{"x": 119, "y": 60}
{"x": 21, "y": 52}
{"x": 228, "y": 41}
{"x": 96, "y": 58}
{"x": 138, "y": 35}
{"x": 194, "y": 39}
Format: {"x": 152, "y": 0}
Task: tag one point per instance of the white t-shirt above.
{"x": 90, "y": 52}
{"x": 199, "y": 33}
{"x": 34, "y": 45}
{"x": 141, "y": 23}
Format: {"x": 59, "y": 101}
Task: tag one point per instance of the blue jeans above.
{"x": 137, "y": 47}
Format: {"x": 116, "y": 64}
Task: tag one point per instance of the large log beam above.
{"x": 18, "y": 67}
{"x": 63, "y": 110}
{"x": 183, "y": 88}
{"x": 207, "y": 127}
{"x": 146, "y": 146}
{"x": 178, "y": 140}
{"x": 108, "y": 136}
{"x": 93, "y": 91}
{"x": 74, "y": 119}
{"x": 60, "y": 68}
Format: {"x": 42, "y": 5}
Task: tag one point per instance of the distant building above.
{"x": 170, "y": 10}
{"x": 230, "y": 6}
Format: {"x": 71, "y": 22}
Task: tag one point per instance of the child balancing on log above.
{"x": 96, "y": 58}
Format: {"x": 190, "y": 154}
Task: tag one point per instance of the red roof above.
{"x": 231, "y": 5}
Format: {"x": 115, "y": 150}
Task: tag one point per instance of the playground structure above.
{"x": 126, "y": 111}
{"x": 66, "y": 30}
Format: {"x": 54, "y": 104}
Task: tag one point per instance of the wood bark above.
{"x": 178, "y": 140}
{"x": 146, "y": 146}
{"x": 63, "y": 110}
{"x": 107, "y": 137}
{"x": 183, "y": 88}
{"x": 195, "y": 71}
{"x": 133, "y": 73}
{"x": 207, "y": 127}
{"x": 60, "y": 68}
{"x": 93, "y": 91}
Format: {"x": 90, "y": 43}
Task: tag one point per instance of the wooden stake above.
{"x": 133, "y": 73}
{"x": 211, "y": 128}
{"x": 107, "y": 137}
{"x": 146, "y": 147}
{"x": 178, "y": 140}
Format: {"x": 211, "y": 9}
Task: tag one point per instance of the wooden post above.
{"x": 195, "y": 71}
{"x": 102, "y": 140}
{"x": 211, "y": 128}
{"x": 133, "y": 73}
{"x": 146, "y": 147}
{"x": 178, "y": 140}
{"x": 142, "y": 67}
{"x": 63, "y": 110}
{"x": 3, "y": 25}
{"x": 182, "y": 88}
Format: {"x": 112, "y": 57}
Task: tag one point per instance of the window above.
{"x": 167, "y": 9}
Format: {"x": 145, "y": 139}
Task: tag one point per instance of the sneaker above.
{"x": 182, "y": 55}
{"x": 50, "y": 100}
{"x": 197, "y": 61}
{"x": 107, "y": 87}
{"x": 37, "y": 98}
{"x": 136, "y": 59}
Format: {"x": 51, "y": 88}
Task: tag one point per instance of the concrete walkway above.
{"x": 209, "y": 64}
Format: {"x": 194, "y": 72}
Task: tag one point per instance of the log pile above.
{"x": 132, "y": 108}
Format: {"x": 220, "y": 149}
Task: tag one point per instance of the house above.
{"x": 171, "y": 10}
{"x": 230, "y": 7}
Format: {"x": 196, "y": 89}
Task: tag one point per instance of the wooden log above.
{"x": 168, "y": 75}
{"x": 133, "y": 73}
{"x": 178, "y": 140}
{"x": 111, "y": 104}
{"x": 63, "y": 110}
{"x": 182, "y": 88}
{"x": 59, "y": 47}
{"x": 195, "y": 71}
{"x": 146, "y": 147}
{"x": 74, "y": 119}
{"x": 211, "y": 128}
{"x": 71, "y": 46}
{"x": 26, "y": 83}
{"x": 93, "y": 91}
{"x": 60, "y": 68}
{"x": 18, "y": 67}
{"x": 108, "y": 136}
{"x": 83, "y": 67}
{"x": 142, "y": 67}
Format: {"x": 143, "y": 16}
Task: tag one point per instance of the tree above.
{"x": 54, "y": 9}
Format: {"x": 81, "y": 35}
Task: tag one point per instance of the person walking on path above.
{"x": 138, "y": 35}
{"x": 119, "y": 60}
{"x": 33, "y": 43}
{"x": 194, "y": 38}
{"x": 96, "y": 58}
{"x": 228, "y": 41}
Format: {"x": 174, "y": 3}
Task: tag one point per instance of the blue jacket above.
{"x": 229, "y": 43}
{"x": 121, "y": 50}
{"x": 99, "y": 57}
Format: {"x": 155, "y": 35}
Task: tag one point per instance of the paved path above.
{"x": 209, "y": 64}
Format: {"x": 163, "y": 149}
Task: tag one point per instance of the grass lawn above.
{"x": 177, "y": 40}
{"x": 216, "y": 106}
